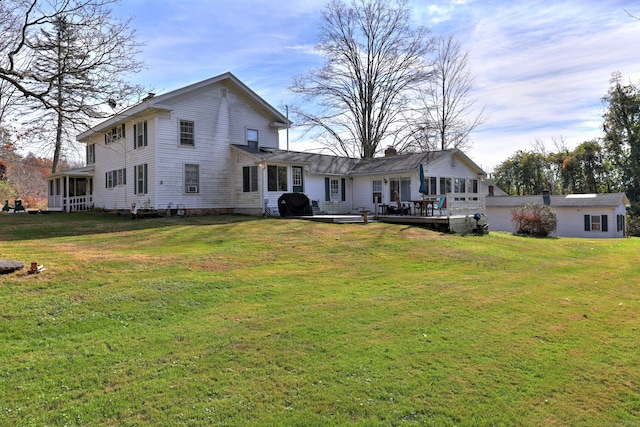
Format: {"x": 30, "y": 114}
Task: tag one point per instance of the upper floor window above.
{"x": 114, "y": 135}
{"x": 91, "y": 154}
{"x": 187, "y": 133}
{"x": 140, "y": 134}
{"x": 252, "y": 138}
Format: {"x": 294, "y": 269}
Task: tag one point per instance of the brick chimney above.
{"x": 390, "y": 152}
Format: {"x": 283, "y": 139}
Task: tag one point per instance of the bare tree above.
{"x": 70, "y": 57}
{"x": 373, "y": 62}
{"x": 448, "y": 114}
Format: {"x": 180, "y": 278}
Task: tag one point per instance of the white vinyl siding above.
{"x": 218, "y": 122}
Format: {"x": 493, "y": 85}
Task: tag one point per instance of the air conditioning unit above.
{"x": 192, "y": 188}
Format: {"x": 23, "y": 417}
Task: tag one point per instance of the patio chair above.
{"x": 6, "y": 207}
{"x": 442, "y": 204}
{"x": 18, "y": 206}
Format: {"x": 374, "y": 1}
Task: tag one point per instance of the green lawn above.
{"x": 241, "y": 321}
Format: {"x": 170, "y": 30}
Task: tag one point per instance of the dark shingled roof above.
{"x": 315, "y": 163}
{"x": 324, "y": 164}
{"x": 396, "y": 164}
{"x": 560, "y": 201}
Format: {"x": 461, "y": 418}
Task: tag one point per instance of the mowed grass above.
{"x": 242, "y": 321}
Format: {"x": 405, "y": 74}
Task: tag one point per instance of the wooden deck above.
{"x": 429, "y": 221}
{"x": 437, "y": 222}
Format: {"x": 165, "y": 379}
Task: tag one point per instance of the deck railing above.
{"x": 465, "y": 204}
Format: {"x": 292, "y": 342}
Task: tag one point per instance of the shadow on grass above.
{"x": 15, "y": 227}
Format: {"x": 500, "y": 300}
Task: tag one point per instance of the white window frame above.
{"x": 334, "y": 185}
{"x": 249, "y": 179}
{"x": 253, "y": 138}
{"x": 140, "y": 134}
{"x": 191, "y": 184}
{"x": 281, "y": 178}
{"x": 376, "y": 190}
{"x": 403, "y": 186}
{"x": 185, "y": 135}
{"x": 296, "y": 177}
{"x": 140, "y": 173}
{"x": 91, "y": 154}
{"x": 115, "y": 134}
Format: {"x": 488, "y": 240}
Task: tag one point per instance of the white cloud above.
{"x": 541, "y": 67}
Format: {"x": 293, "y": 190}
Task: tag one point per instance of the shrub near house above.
{"x": 534, "y": 220}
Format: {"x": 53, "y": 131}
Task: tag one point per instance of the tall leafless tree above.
{"x": 68, "y": 57}
{"x": 446, "y": 101}
{"x": 373, "y": 62}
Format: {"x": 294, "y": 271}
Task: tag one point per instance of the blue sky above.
{"x": 540, "y": 67}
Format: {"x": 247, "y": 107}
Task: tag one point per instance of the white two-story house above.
{"x": 213, "y": 147}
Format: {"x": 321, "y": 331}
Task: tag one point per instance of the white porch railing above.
{"x": 79, "y": 203}
{"x": 70, "y": 204}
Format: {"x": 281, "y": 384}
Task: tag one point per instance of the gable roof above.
{"x": 561, "y": 201}
{"x": 335, "y": 165}
{"x": 155, "y": 103}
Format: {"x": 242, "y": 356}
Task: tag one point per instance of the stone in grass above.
{"x": 8, "y": 266}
